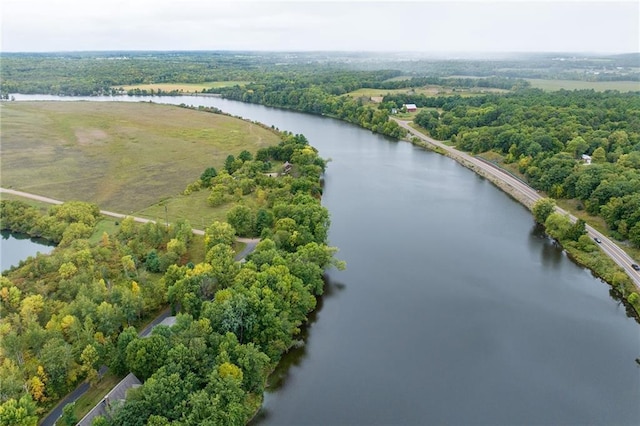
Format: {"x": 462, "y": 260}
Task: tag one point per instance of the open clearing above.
{"x": 183, "y": 87}
{"x": 598, "y": 86}
{"x": 428, "y": 91}
{"x": 123, "y": 156}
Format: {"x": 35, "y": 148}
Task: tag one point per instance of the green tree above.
{"x": 18, "y": 413}
{"x": 224, "y": 266}
{"x": 241, "y": 218}
{"x": 543, "y": 208}
{"x": 56, "y": 358}
{"x": 230, "y": 164}
{"x": 577, "y": 146}
{"x": 576, "y": 230}
{"x": 145, "y": 356}
{"x": 599, "y": 155}
{"x": 118, "y": 362}
{"x": 69, "y": 417}
{"x": 245, "y": 156}
{"x": 90, "y": 359}
{"x": 219, "y": 233}
{"x": 207, "y": 175}
{"x": 557, "y": 225}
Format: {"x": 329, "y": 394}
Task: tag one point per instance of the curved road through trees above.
{"x": 54, "y": 415}
{"x": 250, "y": 242}
{"x": 530, "y": 196}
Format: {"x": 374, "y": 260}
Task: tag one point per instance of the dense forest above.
{"x": 90, "y": 73}
{"x": 64, "y": 315}
{"x": 235, "y": 320}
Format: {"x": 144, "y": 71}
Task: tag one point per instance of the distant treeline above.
{"x": 99, "y": 73}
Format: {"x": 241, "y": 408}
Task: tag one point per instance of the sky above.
{"x": 297, "y": 25}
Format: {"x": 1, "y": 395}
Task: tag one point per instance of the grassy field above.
{"x": 125, "y": 157}
{"x": 428, "y": 90}
{"x": 183, "y": 87}
{"x": 598, "y": 86}
{"x": 371, "y": 92}
{"x": 193, "y": 208}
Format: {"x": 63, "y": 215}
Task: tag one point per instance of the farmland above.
{"x": 182, "y": 87}
{"x": 598, "y": 86}
{"x": 123, "y": 156}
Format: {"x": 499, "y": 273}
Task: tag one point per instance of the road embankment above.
{"x": 524, "y": 194}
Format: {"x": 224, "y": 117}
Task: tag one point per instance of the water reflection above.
{"x": 296, "y": 355}
{"x": 551, "y": 253}
{"x": 16, "y": 247}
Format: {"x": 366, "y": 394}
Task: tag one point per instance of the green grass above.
{"x": 184, "y": 87}
{"x": 196, "y": 249}
{"x": 400, "y": 78}
{"x": 427, "y": 90}
{"x": 86, "y": 402}
{"x": 125, "y": 157}
{"x": 371, "y": 92}
{"x": 598, "y": 86}
{"x": 192, "y": 207}
{"x": 107, "y": 225}
{"x": 40, "y": 205}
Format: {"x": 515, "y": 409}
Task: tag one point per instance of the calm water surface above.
{"x": 454, "y": 308}
{"x": 16, "y": 247}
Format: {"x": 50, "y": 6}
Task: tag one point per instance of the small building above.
{"x": 111, "y": 400}
{"x": 586, "y": 159}
{"x": 286, "y": 167}
{"x": 168, "y": 321}
{"x": 410, "y": 107}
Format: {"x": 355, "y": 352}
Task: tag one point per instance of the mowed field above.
{"x": 124, "y": 156}
{"x": 598, "y": 86}
{"x": 183, "y": 87}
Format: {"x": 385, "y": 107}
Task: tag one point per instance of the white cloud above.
{"x": 437, "y": 26}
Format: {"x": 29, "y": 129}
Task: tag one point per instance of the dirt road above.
{"x": 250, "y": 242}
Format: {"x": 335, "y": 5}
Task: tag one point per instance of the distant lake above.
{"x": 15, "y": 247}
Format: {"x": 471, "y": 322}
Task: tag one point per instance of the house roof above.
{"x": 410, "y": 106}
{"x": 118, "y": 393}
{"x": 168, "y": 321}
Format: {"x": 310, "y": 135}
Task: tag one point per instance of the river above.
{"x": 454, "y": 308}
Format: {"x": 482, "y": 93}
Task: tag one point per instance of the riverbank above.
{"x": 603, "y": 265}
{"x": 540, "y": 322}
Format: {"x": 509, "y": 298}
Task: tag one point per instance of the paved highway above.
{"x": 609, "y": 247}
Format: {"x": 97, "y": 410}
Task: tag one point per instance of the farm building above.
{"x": 410, "y": 107}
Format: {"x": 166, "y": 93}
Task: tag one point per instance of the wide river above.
{"x": 454, "y": 308}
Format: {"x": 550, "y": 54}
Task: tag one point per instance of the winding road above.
{"x": 250, "y": 242}
{"x": 618, "y": 255}
{"x": 54, "y": 415}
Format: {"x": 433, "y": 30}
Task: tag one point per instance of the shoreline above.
{"x": 526, "y": 196}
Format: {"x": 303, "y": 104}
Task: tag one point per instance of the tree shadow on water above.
{"x": 296, "y": 354}
{"x": 551, "y": 252}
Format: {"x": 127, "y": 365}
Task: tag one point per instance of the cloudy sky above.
{"x": 420, "y": 26}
